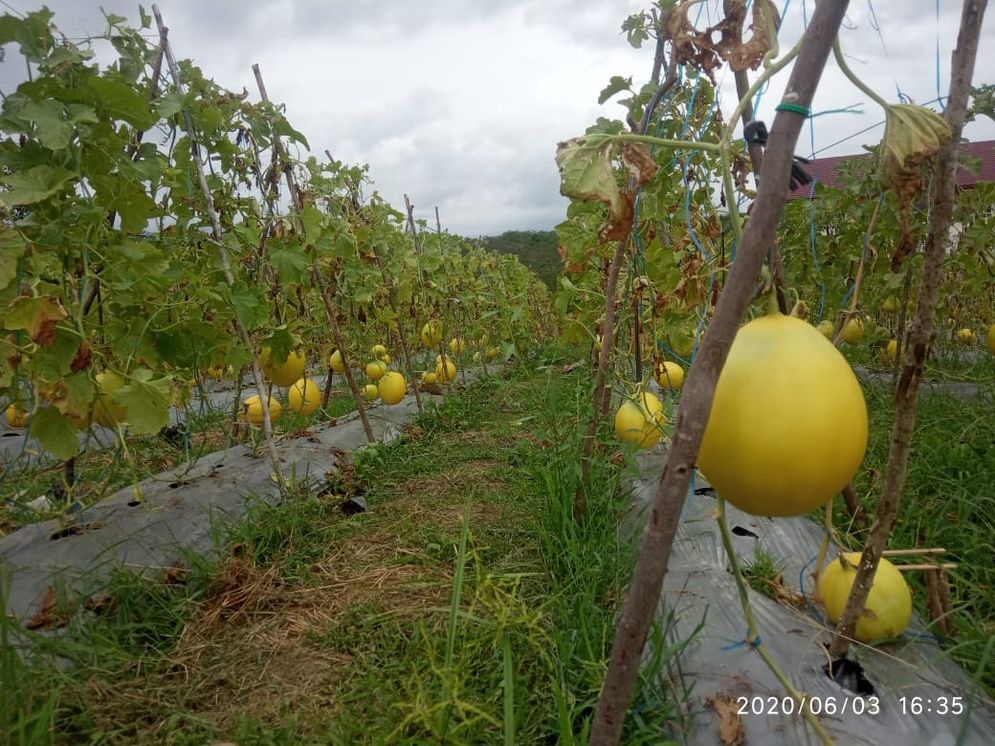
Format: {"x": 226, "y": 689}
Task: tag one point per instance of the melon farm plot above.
{"x": 283, "y": 463}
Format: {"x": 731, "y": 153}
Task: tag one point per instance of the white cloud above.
{"x": 460, "y": 103}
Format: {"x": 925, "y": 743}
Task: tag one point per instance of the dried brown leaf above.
{"x": 639, "y": 163}
{"x": 99, "y": 604}
{"x": 699, "y": 48}
{"x": 81, "y": 360}
{"x": 49, "y": 615}
{"x": 731, "y": 730}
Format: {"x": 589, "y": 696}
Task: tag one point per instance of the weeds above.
{"x": 949, "y": 502}
{"x": 464, "y": 606}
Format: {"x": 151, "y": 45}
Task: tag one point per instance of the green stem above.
{"x": 751, "y": 627}
{"x": 773, "y": 306}
{"x": 751, "y": 630}
{"x": 664, "y": 143}
{"x": 735, "y": 220}
{"x": 838, "y": 53}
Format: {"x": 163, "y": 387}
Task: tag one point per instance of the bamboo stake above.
{"x": 911, "y": 552}
{"x": 92, "y": 291}
{"x": 392, "y": 300}
{"x": 218, "y": 234}
{"x": 340, "y": 342}
{"x": 756, "y": 158}
{"x": 943, "y": 591}
{"x": 295, "y": 198}
{"x": 913, "y": 568}
{"x": 651, "y": 569}
{"x": 601, "y": 398}
{"x": 922, "y": 332}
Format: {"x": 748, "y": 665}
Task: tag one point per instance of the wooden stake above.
{"x": 914, "y": 568}
{"x": 217, "y": 234}
{"x": 923, "y": 324}
{"x": 644, "y": 591}
{"x": 295, "y": 198}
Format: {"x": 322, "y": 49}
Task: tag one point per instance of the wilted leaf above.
{"x": 912, "y": 135}
{"x": 38, "y": 316}
{"x": 100, "y": 604}
{"x": 586, "y": 171}
{"x": 53, "y": 361}
{"x": 10, "y": 358}
{"x": 699, "y": 48}
{"x": 639, "y": 163}
{"x": 81, "y": 360}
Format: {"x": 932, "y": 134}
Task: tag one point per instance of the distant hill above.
{"x": 535, "y": 249}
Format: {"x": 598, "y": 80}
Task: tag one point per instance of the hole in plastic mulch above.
{"x": 849, "y": 675}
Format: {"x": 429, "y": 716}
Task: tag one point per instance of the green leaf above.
{"x": 345, "y": 246}
{"x": 312, "y": 219}
{"x": 207, "y": 118}
{"x": 169, "y": 104}
{"x": 291, "y": 263}
{"x": 121, "y": 101}
{"x": 34, "y": 185}
{"x": 48, "y": 117}
{"x": 55, "y": 432}
{"x": 127, "y": 198}
{"x": 635, "y": 29}
{"x": 11, "y": 250}
{"x": 145, "y": 401}
{"x": 136, "y": 260}
{"x": 82, "y": 114}
{"x": 250, "y": 305}
{"x": 282, "y": 128}
{"x": 31, "y": 33}
{"x": 281, "y": 342}
{"x": 8, "y": 355}
{"x": 617, "y": 84}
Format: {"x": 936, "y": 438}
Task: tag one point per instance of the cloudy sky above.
{"x": 460, "y": 103}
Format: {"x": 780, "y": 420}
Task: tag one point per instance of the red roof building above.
{"x": 824, "y": 170}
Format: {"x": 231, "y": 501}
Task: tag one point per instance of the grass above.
{"x": 948, "y": 362}
{"x": 763, "y": 572}
{"x": 464, "y": 607}
{"x": 949, "y": 502}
